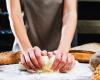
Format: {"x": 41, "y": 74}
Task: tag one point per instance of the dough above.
{"x": 48, "y": 64}
{"x": 47, "y": 67}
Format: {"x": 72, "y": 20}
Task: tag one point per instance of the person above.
{"x": 44, "y": 25}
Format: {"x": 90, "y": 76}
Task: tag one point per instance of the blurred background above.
{"x": 88, "y": 28}
{"x": 6, "y": 36}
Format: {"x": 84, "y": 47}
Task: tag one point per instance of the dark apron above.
{"x": 43, "y": 20}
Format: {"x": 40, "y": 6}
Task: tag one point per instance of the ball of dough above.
{"x": 47, "y": 64}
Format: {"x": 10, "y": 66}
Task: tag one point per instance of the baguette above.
{"x": 9, "y": 58}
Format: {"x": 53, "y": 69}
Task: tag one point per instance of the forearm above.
{"x": 17, "y": 23}
{"x": 20, "y": 31}
{"x": 68, "y": 30}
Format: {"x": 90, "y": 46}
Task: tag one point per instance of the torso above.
{"x": 43, "y": 20}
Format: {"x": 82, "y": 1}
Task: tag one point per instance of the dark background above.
{"x": 88, "y": 11}
{"x": 6, "y": 36}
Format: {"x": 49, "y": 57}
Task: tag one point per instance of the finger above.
{"x": 50, "y": 54}
{"x": 73, "y": 62}
{"x": 64, "y": 58}
{"x": 31, "y": 71}
{"x": 64, "y": 69}
{"x": 58, "y": 67}
{"x": 69, "y": 62}
{"x": 44, "y": 53}
{"x": 56, "y": 62}
{"x": 25, "y": 65}
{"x": 24, "y": 62}
{"x": 69, "y": 59}
{"x": 63, "y": 62}
{"x": 56, "y": 52}
{"x": 33, "y": 58}
{"x": 38, "y": 56}
{"x": 28, "y": 61}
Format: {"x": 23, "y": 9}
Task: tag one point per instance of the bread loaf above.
{"x": 12, "y": 58}
{"x": 82, "y": 55}
{"x": 96, "y": 75}
{"x": 9, "y": 58}
{"x": 95, "y": 60}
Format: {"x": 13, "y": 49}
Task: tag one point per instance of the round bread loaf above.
{"x": 95, "y": 60}
{"x": 96, "y": 75}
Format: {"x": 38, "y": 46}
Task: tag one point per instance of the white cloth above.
{"x": 12, "y": 72}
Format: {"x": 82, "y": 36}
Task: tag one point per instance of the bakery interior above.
{"x": 87, "y": 43}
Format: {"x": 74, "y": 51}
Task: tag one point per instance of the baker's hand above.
{"x": 63, "y": 62}
{"x": 32, "y": 59}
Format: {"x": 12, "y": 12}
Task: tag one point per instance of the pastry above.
{"x": 82, "y": 55}
{"x": 9, "y": 58}
{"x": 95, "y": 60}
{"x": 96, "y": 75}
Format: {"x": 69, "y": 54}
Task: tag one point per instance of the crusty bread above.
{"x": 96, "y": 75}
{"x": 82, "y": 55}
{"x": 9, "y": 58}
{"x": 95, "y": 60}
{"x": 12, "y": 58}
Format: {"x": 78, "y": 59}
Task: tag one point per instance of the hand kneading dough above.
{"x": 47, "y": 64}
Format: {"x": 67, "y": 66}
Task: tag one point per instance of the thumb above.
{"x": 44, "y": 53}
{"x": 50, "y": 54}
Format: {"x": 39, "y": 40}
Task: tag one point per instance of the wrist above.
{"x": 24, "y": 47}
{"x": 64, "y": 48}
